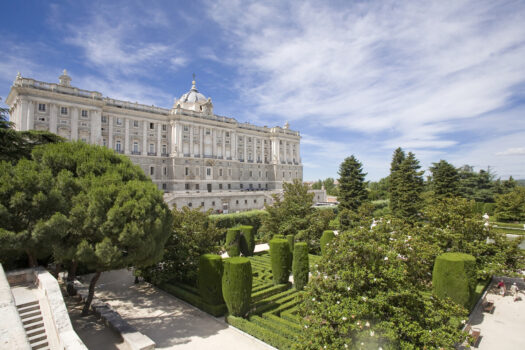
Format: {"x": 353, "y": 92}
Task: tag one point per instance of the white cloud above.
{"x": 519, "y": 151}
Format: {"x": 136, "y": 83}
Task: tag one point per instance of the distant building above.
{"x": 198, "y": 158}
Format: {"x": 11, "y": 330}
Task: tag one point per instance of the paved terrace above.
{"x": 168, "y": 321}
{"x": 504, "y": 328}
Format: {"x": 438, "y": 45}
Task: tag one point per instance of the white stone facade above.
{"x": 186, "y": 150}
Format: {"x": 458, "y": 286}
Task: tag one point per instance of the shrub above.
{"x": 489, "y": 208}
{"x": 279, "y": 236}
{"x": 326, "y": 238}
{"x": 237, "y": 285}
{"x": 233, "y": 240}
{"x": 247, "y": 240}
{"x": 252, "y": 218}
{"x": 281, "y": 262}
{"x": 300, "y": 265}
{"x": 290, "y": 239}
{"x": 210, "y": 278}
{"x": 454, "y": 276}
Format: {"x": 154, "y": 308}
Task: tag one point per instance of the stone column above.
{"x": 30, "y": 115}
{"x": 223, "y": 144}
{"x": 145, "y": 149}
{"x": 233, "y": 145}
{"x": 245, "y": 151}
{"x": 262, "y": 150}
{"x": 201, "y": 147}
{"x": 126, "y": 136}
{"x": 23, "y": 116}
{"x": 110, "y": 132}
{"x": 172, "y": 138}
{"x": 192, "y": 151}
{"x": 214, "y": 143}
{"x": 179, "y": 139}
{"x": 159, "y": 139}
{"x": 53, "y": 119}
{"x": 95, "y": 127}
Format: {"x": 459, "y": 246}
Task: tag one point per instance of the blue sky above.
{"x": 443, "y": 79}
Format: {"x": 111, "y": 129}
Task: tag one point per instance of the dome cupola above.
{"x": 194, "y": 100}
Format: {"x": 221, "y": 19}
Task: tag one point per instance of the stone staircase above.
{"x": 33, "y": 324}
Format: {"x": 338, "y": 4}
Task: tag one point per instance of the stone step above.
{"x": 22, "y": 309}
{"x": 34, "y": 325}
{"x": 39, "y": 345}
{"x": 29, "y": 303}
{"x": 37, "y": 338}
{"x": 35, "y": 331}
{"x": 29, "y": 314}
{"x": 32, "y": 319}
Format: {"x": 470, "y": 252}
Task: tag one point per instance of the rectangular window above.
{"x": 63, "y": 110}
{"x": 42, "y": 107}
{"x": 135, "y": 123}
{"x": 164, "y": 186}
{"x": 84, "y": 139}
{"x": 245, "y": 201}
{"x": 241, "y": 185}
{"x": 164, "y": 127}
{"x": 207, "y": 131}
{"x": 227, "y": 134}
{"x": 189, "y": 204}
{"x": 104, "y": 119}
{"x": 197, "y": 171}
{"x": 165, "y": 171}
{"x": 187, "y": 186}
{"x": 249, "y": 139}
{"x": 229, "y": 186}
{"x": 186, "y": 128}
{"x": 119, "y": 121}
{"x": 220, "y": 186}
{"x": 164, "y": 149}
{"x": 237, "y": 201}
{"x": 151, "y": 148}
{"x": 255, "y": 200}
{"x": 152, "y": 170}
{"x": 135, "y": 147}
{"x": 213, "y": 203}
{"x": 186, "y": 171}
{"x": 197, "y": 186}
{"x": 208, "y": 171}
{"x": 84, "y": 113}
{"x": 220, "y": 172}
{"x": 202, "y": 204}
{"x": 229, "y": 172}
{"x": 118, "y": 146}
{"x": 151, "y": 126}
{"x": 104, "y": 142}
{"x": 250, "y": 173}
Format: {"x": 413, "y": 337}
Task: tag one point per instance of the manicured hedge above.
{"x": 209, "y": 279}
{"x": 252, "y": 218}
{"x": 237, "y": 285}
{"x": 261, "y": 333}
{"x": 233, "y": 240}
{"x": 300, "y": 265}
{"x": 194, "y": 299}
{"x": 279, "y": 236}
{"x": 454, "y": 276}
{"x": 326, "y": 238}
{"x": 281, "y": 262}
{"x": 247, "y": 240}
{"x": 290, "y": 239}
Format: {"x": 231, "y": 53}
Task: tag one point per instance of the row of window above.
{"x": 63, "y": 110}
{"x": 135, "y": 147}
{"x": 190, "y": 204}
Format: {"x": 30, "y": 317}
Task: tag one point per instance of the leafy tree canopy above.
{"x": 445, "y": 179}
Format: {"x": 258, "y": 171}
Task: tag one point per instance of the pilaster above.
{"x": 126, "y": 136}
{"x": 145, "y": 138}
{"x": 95, "y": 127}
{"x": 30, "y": 115}
{"x": 192, "y": 150}
{"x": 110, "y": 132}
{"x": 159, "y": 139}
{"x": 53, "y": 119}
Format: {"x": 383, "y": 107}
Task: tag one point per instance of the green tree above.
{"x": 329, "y": 185}
{"x": 352, "y": 185}
{"x": 511, "y": 206}
{"x": 362, "y": 297}
{"x": 378, "y": 190}
{"x": 397, "y": 158}
{"x": 445, "y": 179}
{"x": 409, "y": 186}
{"x": 29, "y": 198}
{"x": 192, "y": 235}
{"x": 480, "y": 186}
{"x": 115, "y": 216}
{"x": 291, "y": 213}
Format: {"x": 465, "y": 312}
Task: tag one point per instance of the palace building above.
{"x": 198, "y": 158}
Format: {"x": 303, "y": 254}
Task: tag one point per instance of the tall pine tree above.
{"x": 445, "y": 179}
{"x": 397, "y": 159}
{"x": 352, "y": 185}
{"x": 409, "y": 186}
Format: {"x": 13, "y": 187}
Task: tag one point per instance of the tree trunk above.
{"x": 71, "y": 276}
{"x": 31, "y": 259}
{"x": 89, "y": 299}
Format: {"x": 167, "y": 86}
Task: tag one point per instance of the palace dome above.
{"x": 193, "y": 95}
{"x": 194, "y": 100}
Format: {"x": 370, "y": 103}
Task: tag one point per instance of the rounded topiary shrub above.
{"x": 209, "y": 279}
{"x": 247, "y": 240}
{"x": 454, "y": 276}
{"x": 300, "y": 266}
{"x": 233, "y": 241}
{"x": 281, "y": 262}
{"x": 237, "y": 285}
{"x": 326, "y": 238}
